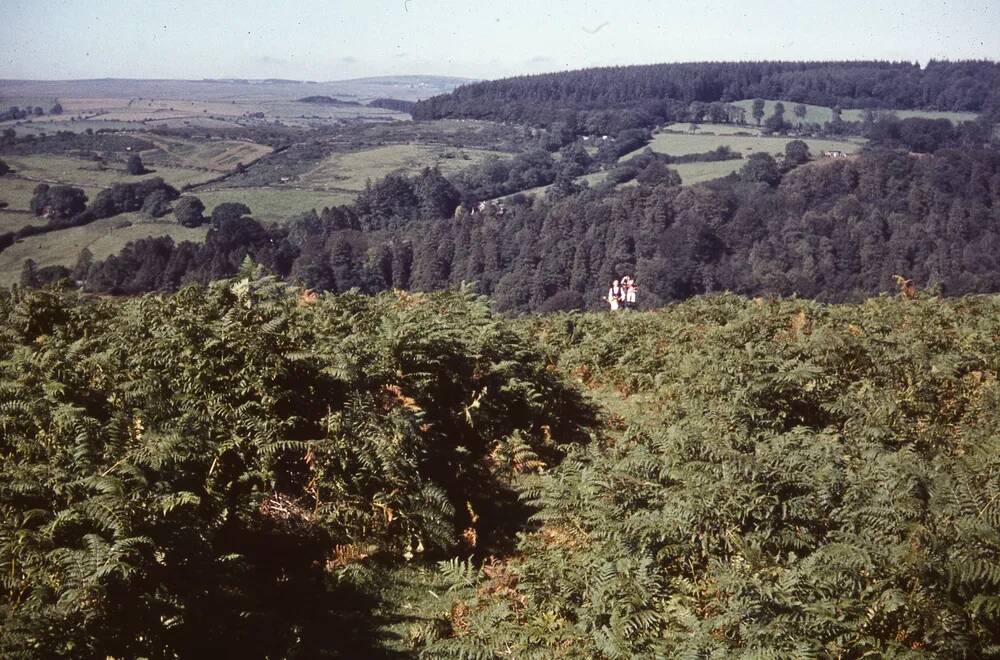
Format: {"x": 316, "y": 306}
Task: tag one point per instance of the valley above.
{"x": 690, "y": 359}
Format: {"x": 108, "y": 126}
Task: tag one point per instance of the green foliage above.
{"x": 796, "y": 480}
{"x": 193, "y": 473}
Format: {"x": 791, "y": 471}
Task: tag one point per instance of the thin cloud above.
{"x": 267, "y": 60}
{"x": 596, "y": 29}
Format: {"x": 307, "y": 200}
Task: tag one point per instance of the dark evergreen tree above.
{"x": 436, "y": 196}
{"x": 29, "y": 274}
{"x": 402, "y": 263}
{"x": 134, "y": 165}
{"x": 83, "y": 264}
{"x": 758, "y": 110}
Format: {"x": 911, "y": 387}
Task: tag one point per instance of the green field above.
{"x": 42, "y": 127}
{"x": 692, "y": 173}
{"x": 79, "y": 172}
{"x": 12, "y": 221}
{"x": 17, "y": 192}
{"x": 817, "y": 114}
{"x": 350, "y": 171}
{"x": 679, "y": 144}
{"x": 219, "y": 155}
{"x": 955, "y": 117}
{"x": 103, "y": 238}
{"x": 274, "y": 204}
{"x": 593, "y": 179}
{"x": 718, "y": 129}
{"x": 27, "y": 102}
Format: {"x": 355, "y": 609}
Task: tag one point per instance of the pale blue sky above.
{"x": 316, "y": 40}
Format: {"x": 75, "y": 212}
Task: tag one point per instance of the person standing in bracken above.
{"x": 616, "y": 295}
{"x": 629, "y": 287}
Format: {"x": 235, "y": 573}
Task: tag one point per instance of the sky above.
{"x": 335, "y": 40}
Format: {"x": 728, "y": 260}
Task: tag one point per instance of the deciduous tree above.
{"x": 188, "y": 211}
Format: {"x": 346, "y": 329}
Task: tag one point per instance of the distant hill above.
{"x": 392, "y": 104}
{"x": 360, "y": 90}
{"x": 645, "y": 95}
{"x": 327, "y": 100}
{"x": 427, "y": 81}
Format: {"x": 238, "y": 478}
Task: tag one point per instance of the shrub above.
{"x": 190, "y": 472}
{"x": 800, "y": 480}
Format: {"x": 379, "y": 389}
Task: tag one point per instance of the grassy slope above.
{"x": 817, "y": 114}
{"x": 350, "y": 171}
{"x": 276, "y": 204}
{"x": 17, "y": 192}
{"x": 692, "y": 173}
{"x": 79, "y": 172}
{"x": 678, "y": 144}
{"x": 14, "y": 220}
{"x": 335, "y": 181}
{"x": 218, "y": 155}
{"x": 103, "y": 238}
{"x": 718, "y": 129}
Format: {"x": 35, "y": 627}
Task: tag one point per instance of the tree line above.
{"x": 604, "y": 99}
{"x": 833, "y": 230}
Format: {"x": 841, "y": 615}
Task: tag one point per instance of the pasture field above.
{"x": 137, "y": 109}
{"x": 815, "y": 114}
{"x": 275, "y": 204}
{"x": 43, "y": 102}
{"x": 291, "y": 109}
{"x": 103, "y": 238}
{"x": 218, "y": 155}
{"x": 51, "y": 125}
{"x": 477, "y": 133}
{"x": 679, "y": 144}
{"x": 692, "y": 173}
{"x": 14, "y": 220}
{"x": 350, "y": 171}
{"x": 134, "y": 113}
{"x": 408, "y": 88}
{"x": 718, "y": 129}
{"x": 593, "y": 179}
{"x": 79, "y": 172}
{"x": 17, "y": 192}
{"x": 955, "y": 117}
{"x": 818, "y": 114}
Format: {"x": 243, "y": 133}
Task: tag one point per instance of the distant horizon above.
{"x": 239, "y": 78}
{"x": 316, "y": 40}
{"x": 378, "y": 76}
